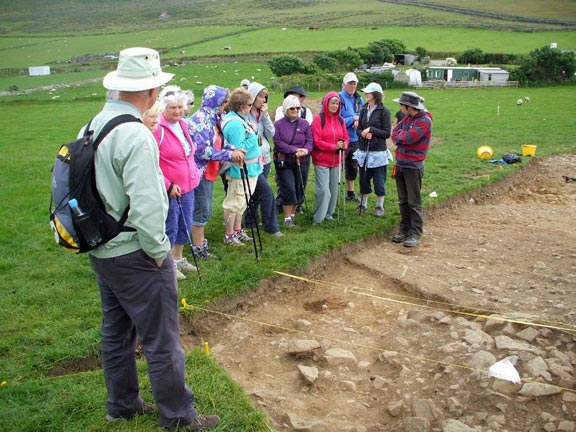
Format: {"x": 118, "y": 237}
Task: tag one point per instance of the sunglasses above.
{"x": 295, "y": 109}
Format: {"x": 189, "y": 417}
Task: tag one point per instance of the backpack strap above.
{"x": 108, "y": 127}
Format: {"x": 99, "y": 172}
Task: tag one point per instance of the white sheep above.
{"x": 519, "y": 102}
{"x": 526, "y": 99}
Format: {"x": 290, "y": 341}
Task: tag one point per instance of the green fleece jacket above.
{"x": 128, "y": 174}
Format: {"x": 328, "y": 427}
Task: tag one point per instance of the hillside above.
{"x": 33, "y": 16}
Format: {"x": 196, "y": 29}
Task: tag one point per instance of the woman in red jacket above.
{"x": 330, "y": 140}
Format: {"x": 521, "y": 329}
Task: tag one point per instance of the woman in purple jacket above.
{"x": 292, "y": 147}
{"x": 181, "y": 175}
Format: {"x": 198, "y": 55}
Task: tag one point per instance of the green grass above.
{"x": 49, "y": 298}
{"x": 41, "y": 16}
{"x": 188, "y": 42}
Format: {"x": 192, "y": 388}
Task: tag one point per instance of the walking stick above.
{"x": 179, "y": 201}
{"x": 302, "y": 189}
{"x": 250, "y": 206}
{"x": 344, "y": 187}
{"x": 340, "y": 200}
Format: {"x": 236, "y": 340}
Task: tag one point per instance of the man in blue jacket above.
{"x": 352, "y": 102}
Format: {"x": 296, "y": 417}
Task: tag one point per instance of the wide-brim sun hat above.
{"x": 138, "y": 69}
{"x": 411, "y": 99}
{"x": 373, "y": 88}
{"x": 299, "y": 90}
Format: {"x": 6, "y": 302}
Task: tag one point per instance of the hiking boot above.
{"x": 184, "y": 266}
{"x": 379, "y": 211}
{"x": 289, "y": 223}
{"x": 412, "y": 241}
{"x": 361, "y": 209}
{"x": 400, "y": 237}
{"x": 202, "y": 253}
{"x": 147, "y": 408}
{"x": 352, "y": 197}
{"x": 232, "y": 241}
{"x": 201, "y": 422}
{"x": 242, "y": 236}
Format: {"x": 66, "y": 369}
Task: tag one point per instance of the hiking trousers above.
{"x": 409, "y": 185}
{"x": 141, "y": 300}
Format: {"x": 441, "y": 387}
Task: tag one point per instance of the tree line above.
{"x": 541, "y": 66}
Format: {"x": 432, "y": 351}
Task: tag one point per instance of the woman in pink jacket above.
{"x": 330, "y": 140}
{"x": 181, "y": 175}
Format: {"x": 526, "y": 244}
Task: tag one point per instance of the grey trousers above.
{"x": 141, "y": 300}
{"x": 326, "y": 192}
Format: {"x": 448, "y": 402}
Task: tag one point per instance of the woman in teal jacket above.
{"x": 240, "y": 133}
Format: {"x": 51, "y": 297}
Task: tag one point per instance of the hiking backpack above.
{"x": 78, "y": 219}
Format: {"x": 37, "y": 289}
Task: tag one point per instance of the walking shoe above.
{"x": 232, "y": 241}
{"x": 329, "y": 218}
{"x": 184, "y": 266}
{"x": 242, "y": 236}
{"x": 412, "y": 241}
{"x": 360, "y": 209}
{"x": 277, "y": 234}
{"x": 147, "y": 408}
{"x": 379, "y": 211}
{"x": 201, "y": 422}
{"x": 179, "y": 275}
{"x": 289, "y": 223}
{"x": 352, "y": 197}
{"x": 400, "y": 237}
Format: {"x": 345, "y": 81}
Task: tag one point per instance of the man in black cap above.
{"x": 299, "y": 92}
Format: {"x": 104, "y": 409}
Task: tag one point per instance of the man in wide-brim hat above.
{"x": 412, "y": 137}
{"x": 135, "y": 270}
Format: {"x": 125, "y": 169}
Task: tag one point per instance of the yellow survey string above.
{"x": 190, "y": 307}
{"x": 357, "y": 290}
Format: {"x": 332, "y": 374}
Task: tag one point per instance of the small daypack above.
{"x": 85, "y": 225}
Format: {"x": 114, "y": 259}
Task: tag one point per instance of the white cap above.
{"x": 350, "y": 76}
{"x": 138, "y": 69}
{"x": 245, "y": 83}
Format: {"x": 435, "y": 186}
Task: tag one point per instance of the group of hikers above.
{"x": 233, "y": 135}
{"x": 164, "y": 171}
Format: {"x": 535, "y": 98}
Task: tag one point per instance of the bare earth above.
{"x": 401, "y": 339}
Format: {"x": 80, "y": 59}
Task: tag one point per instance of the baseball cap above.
{"x": 350, "y": 76}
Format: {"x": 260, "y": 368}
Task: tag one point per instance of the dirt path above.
{"x": 398, "y": 339}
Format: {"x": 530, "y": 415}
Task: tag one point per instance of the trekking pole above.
{"x": 179, "y": 201}
{"x": 248, "y": 197}
{"x": 253, "y": 207}
{"x": 344, "y": 186}
{"x": 340, "y": 199}
{"x": 302, "y": 187}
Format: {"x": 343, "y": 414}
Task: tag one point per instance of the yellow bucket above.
{"x": 484, "y": 152}
{"x": 529, "y": 150}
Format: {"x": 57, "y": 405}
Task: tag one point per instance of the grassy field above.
{"x": 50, "y": 303}
{"x": 34, "y": 16}
{"x": 187, "y": 42}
